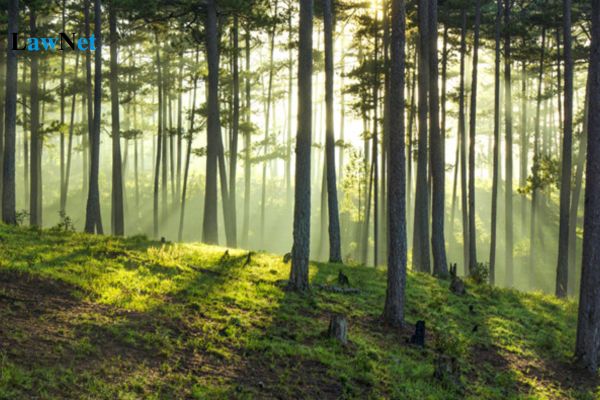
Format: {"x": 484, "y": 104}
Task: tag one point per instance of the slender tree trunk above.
{"x": 93, "y": 219}
{"x": 375, "y": 149}
{"x": 35, "y": 217}
{"x": 523, "y": 152}
{"x": 409, "y": 146}
{"x": 188, "y": 155}
{"x": 70, "y": 138}
{"x": 535, "y": 166}
{"x": 508, "y": 156}
{"x": 496, "y": 161}
{"x": 118, "y": 225}
{"x": 562, "y": 268}
{"x": 159, "y": 141}
{"x": 179, "y": 126}
{"x": 10, "y": 121}
{"x": 577, "y": 193}
{"x": 588, "y": 324}
{"x": 463, "y": 143}
{"x": 420, "y": 257}
{"x": 235, "y": 133}
{"x": 267, "y": 119}
{"x": 335, "y": 252}
{"x": 393, "y": 312}
{"x": 288, "y": 158}
{"x": 247, "y": 144}
{"x": 210, "y": 228}
{"x": 472, "y": 138}
{"x": 301, "y": 233}
{"x": 63, "y": 195}
{"x": 437, "y": 156}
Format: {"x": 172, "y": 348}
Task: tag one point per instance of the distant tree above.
{"x": 301, "y": 234}
{"x": 393, "y": 313}
{"x": 587, "y": 348}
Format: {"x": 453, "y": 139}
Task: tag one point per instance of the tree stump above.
{"x": 419, "y": 337}
{"x": 338, "y": 328}
{"x": 446, "y": 370}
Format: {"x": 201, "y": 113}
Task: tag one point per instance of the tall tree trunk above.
{"x": 562, "y": 267}
{"x": 63, "y": 195}
{"x": 70, "y": 138}
{"x": 472, "y": 138}
{"x": 523, "y": 152}
{"x": 93, "y": 219}
{"x": 375, "y": 148}
{"x": 577, "y": 193}
{"x": 210, "y": 232}
{"x": 588, "y": 324}
{"x": 188, "y": 155}
{"x": 535, "y": 166}
{"x": 10, "y": 121}
{"x": 508, "y": 155}
{"x": 235, "y": 133}
{"x": 118, "y": 224}
{"x": 159, "y": 140}
{"x": 301, "y": 233}
{"x": 247, "y": 143}
{"x": 267, "y": 119}
{"x": 35, "y": 217}
{"x": 288, "y": 157}
{"x": 437, "y": 156}
{"x": 393, "y": 312}
{"x": 463, "y": 143}
{"x": 335, "y": 252}
{"x": 496, "y": 161}
{"x": 420, "y": 257}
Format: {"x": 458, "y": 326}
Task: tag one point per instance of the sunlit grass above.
{"x": 189, "y": 320}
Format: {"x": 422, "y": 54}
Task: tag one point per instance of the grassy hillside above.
{"x": 104, "y": 318}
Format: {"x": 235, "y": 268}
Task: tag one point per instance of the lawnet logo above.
{"x": 56, "y": 43}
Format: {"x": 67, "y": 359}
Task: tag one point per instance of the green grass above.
{"x": 104, "y": 318}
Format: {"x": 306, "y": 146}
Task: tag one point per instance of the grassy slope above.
{"x": 99, "y": 317}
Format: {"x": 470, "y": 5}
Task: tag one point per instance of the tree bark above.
{"x": 393, "y": 312}
{"x": 301, "y": 233}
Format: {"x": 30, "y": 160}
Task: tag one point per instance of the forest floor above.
{"x": 104, "y": 318}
